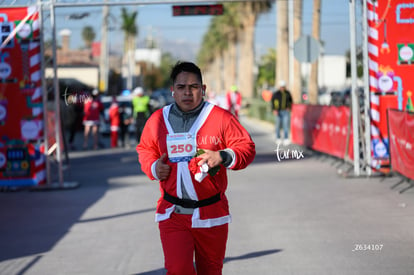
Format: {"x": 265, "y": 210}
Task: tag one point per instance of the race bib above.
{"x": 181, "y": 147}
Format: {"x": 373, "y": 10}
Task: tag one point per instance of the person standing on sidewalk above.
{"x": 75, "y": 117}
{"x": 114, "y": 121}
{"x": 234, "y": 100}
{"x": 141, "y": 107}
{"x": 281, "y": 104}
{"x": 125, "y": 121}
{"x": 92, "y": 110}
{"x": 188, "y": 146}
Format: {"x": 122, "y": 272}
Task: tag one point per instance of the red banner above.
{"x": 322, "y": 128}
{"x": 21, "y": 108}
{"x": 391, "y": 63}
{"x": 401, "y": 130}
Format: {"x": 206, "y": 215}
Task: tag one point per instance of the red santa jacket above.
{"x": 220, "y": 130}
{"x": 233, "y": 101}
{"x": 92, "y": 109}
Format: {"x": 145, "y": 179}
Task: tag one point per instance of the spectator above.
{"x": 125, "y": 121}
{"x": 114, "y": 121}
{"x": 234, "y": 101}
{"x": 92, "y": 110}
{"x": 281, "y": 105}
{"x": 141, "y": 109}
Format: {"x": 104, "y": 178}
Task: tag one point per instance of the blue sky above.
{"x": 187, "y": 31}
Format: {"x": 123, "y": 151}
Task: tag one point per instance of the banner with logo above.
{"x": 323, "y": 128}
{"x": 21, "y": 108}
{"x": 391, "y": 66}
{"x": 401, "y": 130}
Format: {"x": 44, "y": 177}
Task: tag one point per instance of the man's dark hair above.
{"x": 188, "y": 67}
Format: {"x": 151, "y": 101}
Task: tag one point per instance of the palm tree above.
{"x": 210, "y": 53}
{"x": 218, "y": 50}
{"x": 229, "y": 25}
{"x": 249, "y": 13}
{"x": 282, "y": 39}
{"x": 88, "y": 36}
{"x": 316, "y": 33}
{"x": 130, "y": 31}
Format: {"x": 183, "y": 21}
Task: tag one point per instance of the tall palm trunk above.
{"x": 230, "y": 65}
{"x": 130, "y": 62}
{"x": 208, "y": 77}
{"x": 282, "y": 46}
{"x": 217, "y": 72}
{"x": 245, "y": 79}
{"x": 316, "y": 33}
{"x": 297, "y": 71}
{"x": 221, "y": 76}
{"x": 246, "y": 57}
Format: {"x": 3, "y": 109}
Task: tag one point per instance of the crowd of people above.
{"x": 89, "y": 114}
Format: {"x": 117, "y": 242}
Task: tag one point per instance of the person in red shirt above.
{"x": 114, "y": 121}
{"x": 91, "y": 119}
{"x": 188, "y": 146}
{"x": 234, "y": 101}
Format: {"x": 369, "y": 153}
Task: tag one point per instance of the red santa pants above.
{"x": 181, "y": 242}
{"x": 114, "y": 138}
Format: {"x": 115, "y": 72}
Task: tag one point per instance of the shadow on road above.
{"x": 247, "y": 256}
{"x": 252, "y": 255}
{"x": 33, "y": 222}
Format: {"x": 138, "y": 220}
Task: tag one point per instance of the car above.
{"x": 126, "y": 101}
{"x": 337, "y": 98}
{"x": 159, "y": 98}
{"x": 343, "y": 97}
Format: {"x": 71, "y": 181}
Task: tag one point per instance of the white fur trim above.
{"x": 233, "y": 157}
{"x": 162, "y": 217}
{"x": 207, "y": 223}
{"x": 153, "y": 171}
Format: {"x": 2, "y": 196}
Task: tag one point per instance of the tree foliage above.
{"x": 228, "y": 44}
{"x": 129, "y": 27}
{"x": 267, "y": 72}
{"x": 88, "y": 36}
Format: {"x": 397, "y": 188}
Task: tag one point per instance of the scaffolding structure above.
{"x": 47, "y": 11}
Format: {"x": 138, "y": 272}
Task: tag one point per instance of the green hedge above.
{"x": 259, "y": 109}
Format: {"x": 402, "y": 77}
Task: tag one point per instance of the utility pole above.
{"x": 367, "y": 159}
{"x": 354, "y": 96}
{"x": 291, "y": 41}
{"x": 103, "y": 58}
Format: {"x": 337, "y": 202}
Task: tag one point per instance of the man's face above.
{"x": 188, "y": 91}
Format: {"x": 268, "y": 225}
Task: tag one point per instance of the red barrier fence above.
{"x": 22, "y": 160}
{"x": 322, "y": 128}
{"x": 401, "y": 134}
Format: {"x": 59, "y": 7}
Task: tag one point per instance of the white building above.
{"x": 149, "y": 56}
{"x": 331, "y": 72}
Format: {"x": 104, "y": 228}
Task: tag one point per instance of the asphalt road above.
{"x": 290, "y": 216}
